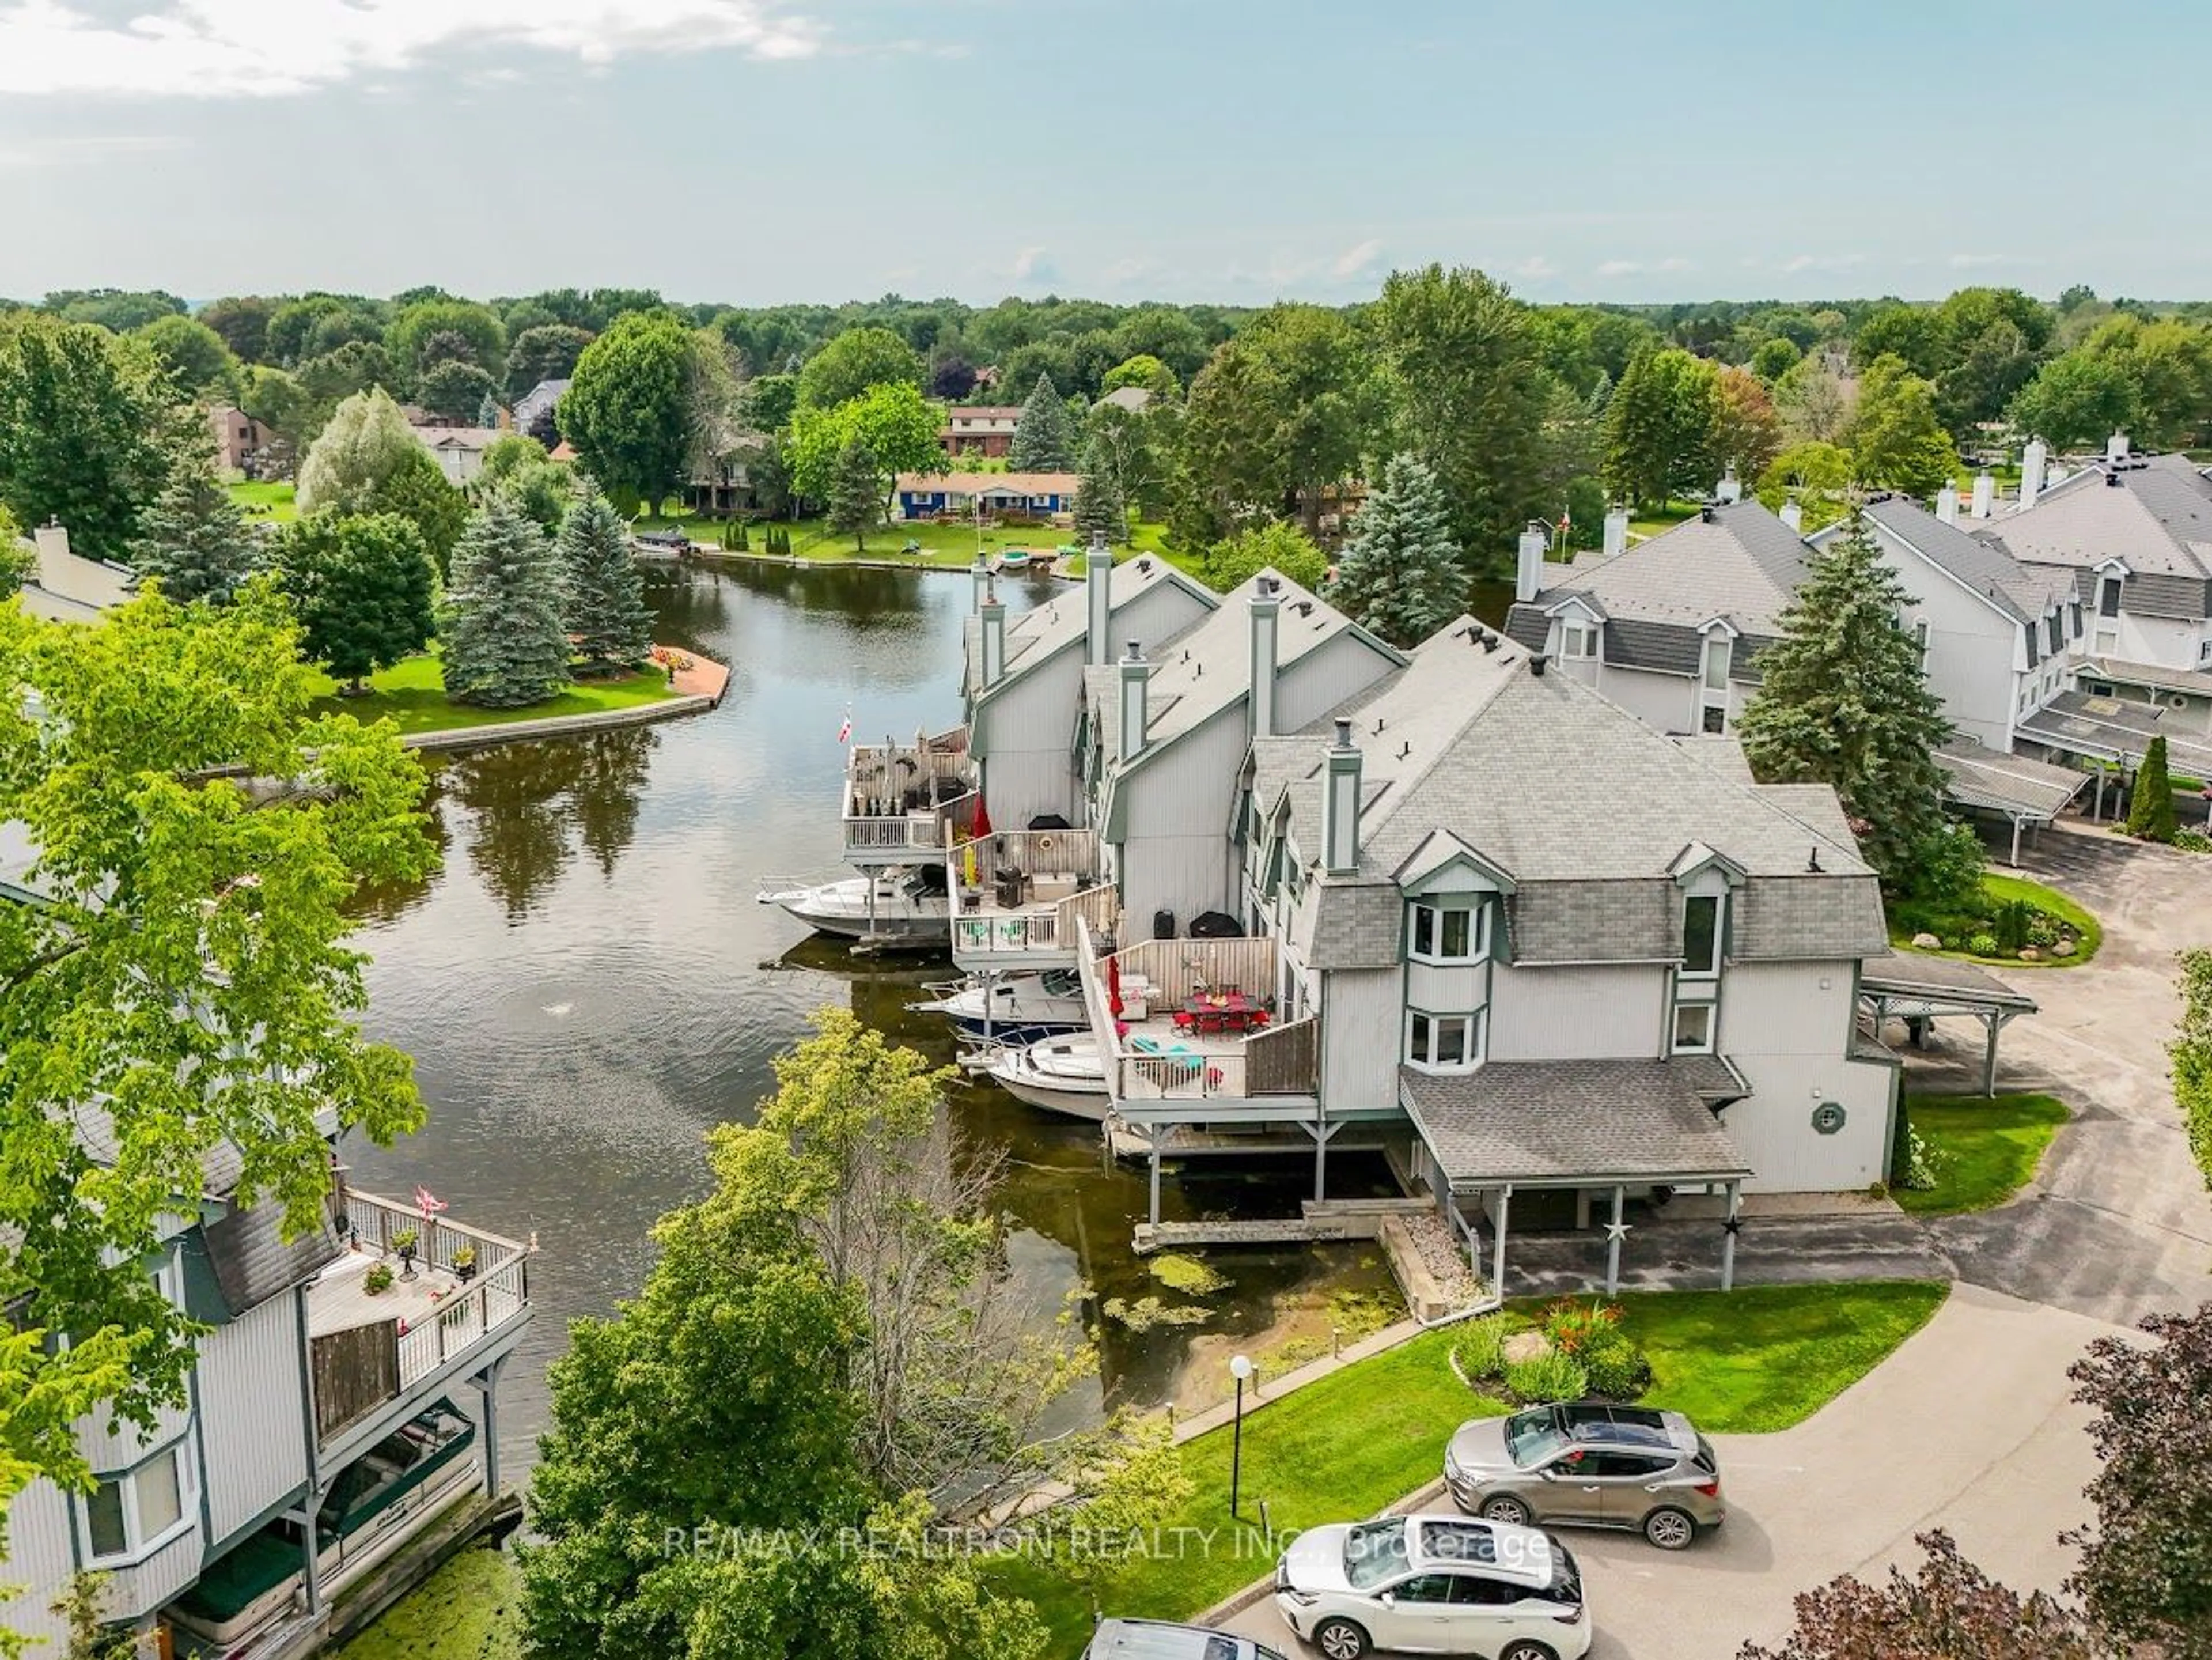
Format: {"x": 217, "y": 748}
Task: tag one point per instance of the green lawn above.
{"x": 1986, "y": 1149}
{"x": 952, "y": 545}
{"x": 1759, "y": 1359}
{"x": 413, "y": 695}
{"x": 272, "y": 501}
{"x": 1666, "y": 518}
{"x": 1906, "y": 921}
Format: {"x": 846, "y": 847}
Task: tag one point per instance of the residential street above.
{"x": 1968, "y": 1426}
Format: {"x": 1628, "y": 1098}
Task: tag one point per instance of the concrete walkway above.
{"x": 1968, "y": 1426}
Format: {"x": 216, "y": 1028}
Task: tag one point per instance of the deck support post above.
{"x": 1153, "y": 1139}
{"x": 1996, "y": 1021}
{"x": 1322, "y": 1133}
{"x": 310, "y": 1570}
{"x": 1613, "y": 1238}
{"x": 487, "y": 1383}
{"x": 990, "y": 997}
{"x": 2015, "y": 841}
{"x": 1497, "y": 1243}
{"x": 1728, "y": 1236}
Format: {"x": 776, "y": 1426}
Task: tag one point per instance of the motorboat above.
{"x": 1058, "y": 1075}
{"x": 1014, "y": 1009}
{"x": 1014, "y": 559}
{"x": 908, "y": 906}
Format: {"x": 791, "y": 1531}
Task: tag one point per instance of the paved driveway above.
{"x": 1967, "y": 1428}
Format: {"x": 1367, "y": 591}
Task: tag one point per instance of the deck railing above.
{"x": 466, "y": 1317}
{"x": 1282, "y": 1061}
{"x": 924, "y": 829}
{"x": 1178, "y": 969}
{"x": 1033, "y": 853}
{"x": 375, "y": 1220}
{"x": 1008, "y": 933}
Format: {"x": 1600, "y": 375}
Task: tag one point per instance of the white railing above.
{"x": 988, "y": 931}
{"x": 463, "y": 1319}
{"x": 376, "y": 1221}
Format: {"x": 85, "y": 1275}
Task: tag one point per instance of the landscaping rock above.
{"x": 2029, "y": 954}
{"x": 1926, "y": 942}
{"x": 1526, "y": 1346}
{"x": 1440, "y": 1252}
{"x": 2064, "y": 948}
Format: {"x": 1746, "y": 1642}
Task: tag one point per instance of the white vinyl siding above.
{"x": 1593, "y": 1013}
{"x": 252, "y": 1418}
{"x": 1360, "y": 1040}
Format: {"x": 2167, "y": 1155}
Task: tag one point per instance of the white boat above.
{"x": 1059, "y": 1074}
{"x": 1015, "y": 1008}
{"x": 909, "y": 907}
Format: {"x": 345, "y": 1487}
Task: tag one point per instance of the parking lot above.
{"x": 1967, "y": 1428}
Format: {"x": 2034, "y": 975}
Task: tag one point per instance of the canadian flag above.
{"x": 844, "y": 731}
{"x": 427, "y": 1203}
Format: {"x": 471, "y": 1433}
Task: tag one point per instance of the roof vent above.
{"x": 1304, "y": 607}
{"x": 1705, "y": 513}
{"x": 1813, "y": 861}
{"x": 1489, "y": 644}
{"x": 1405, "y": 749}
{"x": 1268, "y": 587}
{"x": 2112, "y": 479}
{"x": 1136, "y": 654}
{"x": 1378, "y": 725}
{"x": 1145, "y": 566}
{"x": 1536, "y": 661}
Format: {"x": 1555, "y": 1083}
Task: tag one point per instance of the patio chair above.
{"x": 1182, "y": 1020}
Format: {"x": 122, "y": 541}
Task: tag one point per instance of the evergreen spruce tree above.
{"x": 502, "y": 635}
{"x": 608, "y": 623}
{"x": 2150, "y": 808}
{"x": 856, "y": 501}
{"x": 195, "y": 538}
{"x": 1401, "y": 575}
{"x": 1044, "y": 438}
{"x": 1842, "y": 701}
{"x": 1099, "y": 512}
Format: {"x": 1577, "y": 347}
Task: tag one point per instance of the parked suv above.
{"x": 1155, "y": 1639}
{"x": 1590, "y": 1464}
{"x": 1434, "y": 1584}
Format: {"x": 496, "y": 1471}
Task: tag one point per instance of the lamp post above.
{"x": 1240, "y": 1369}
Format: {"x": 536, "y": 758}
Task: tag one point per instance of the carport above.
{"x": 1591, "y": 1126}
{"x": 2027, "y": 792}
{"x": 2114, "y": 730}
{"x": 1916, "y": 989}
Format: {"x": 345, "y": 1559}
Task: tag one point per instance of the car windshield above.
{"x": 1534, "y": 1435}
{"x": 1374, "y": 1551}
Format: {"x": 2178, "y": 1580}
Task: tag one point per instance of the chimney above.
{"x": 2116, "y": 449}
{"x": 1340, "y": 805}
{"x": 979, "y": 584}
{"x": 1616, "y": 531}
{"x": 1730, "y": 489}
{"x": 1528, "y": 574}
{"x": 1267, "y": 605}
{"x": 1133, "y": 669}
{"x": 1794, "y": 516}
{"x": 1985, "y": 493}
{"x": 1098, "y": 597}
{"x": 994, "y": 613}
{"x": 53, "y": 550}
{"x": 2034, "y": 461}
{"x": 1947, "y": 503}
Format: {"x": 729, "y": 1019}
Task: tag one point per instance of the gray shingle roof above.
{"x": 2125, "y": 673}
{"x": 2157, "y": 519}
{"x": 1554, "y": 1120}
{"x": 1044, "y": 631}
{"x": 1981, "y": 777}
{"x": 2114, "y": 728}
{"x": 1985, "y": 569}
{"x": 1744, "y": 564}
{"x": 252, "y": 1260}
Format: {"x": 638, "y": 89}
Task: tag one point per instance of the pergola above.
{"x": 1916, "y": 989}
{"x": 1590, "y": 1126}
{"x": 2025, "y": 791}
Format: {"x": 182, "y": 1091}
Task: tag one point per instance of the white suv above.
{"x": 1434, "y": 1584}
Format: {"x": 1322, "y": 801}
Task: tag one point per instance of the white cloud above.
{"x": 1535, "y": 268}
{"x": 1358, "y": 260}
{"x": 1034, "y": 265}
{"x": 1676, "y": 263}
{"x": 1619, "y": 268}
{"x": 1974, "y": 261}
{"x": 276, "y": 48}
{"x": 1798, "y": 262}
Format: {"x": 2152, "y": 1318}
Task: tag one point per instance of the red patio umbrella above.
{"x": 981, "y": 826}
{"x": 1113, "y": 986}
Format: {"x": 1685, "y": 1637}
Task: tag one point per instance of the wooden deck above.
{"x": 339, "y": 1299}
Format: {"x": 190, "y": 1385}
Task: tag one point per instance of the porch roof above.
{"x": 2034, "y": 791}
{"x": 1556, "y": 1122}
{"x": 2112, "y": 729}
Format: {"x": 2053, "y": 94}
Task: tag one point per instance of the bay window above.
{"x": 1443, "y": 933}
{"x": 129, "y": 1515}
{"x": 1444, "y": 1042}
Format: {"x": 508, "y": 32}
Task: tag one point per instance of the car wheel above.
{"x": 1339, "y": 1640}
{"x": 1511, "y": 1511}
{"x": 1670, "y": 1528}
{"x": 1526, "y": 1649}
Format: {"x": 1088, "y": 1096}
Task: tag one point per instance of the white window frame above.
{"x": 1719, "y": 902}
{"x": 1477, "y": 932}
{"x": 1726, "y": 647}
{"x": 1708, "y": 1043}
{"x": 138, "y": 1545}
{"x": 1920, "y": 634}
{"x": 1578, "y": 641}
{"x": 1474, "y": 1047}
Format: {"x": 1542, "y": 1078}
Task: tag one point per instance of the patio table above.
{"x": 1221, "y": 1011}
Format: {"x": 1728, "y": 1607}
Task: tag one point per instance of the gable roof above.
{"x": 988, "y": 483}
{"x": 459, "y": 438}
{"x": 1985, "y": 569}
{"x": 1742, "y": 563}
{"x": 2157, "y": 517}
{"x": 1042, "y": 632}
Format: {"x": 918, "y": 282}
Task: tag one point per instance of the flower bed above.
{"x": 1577, "y": 1350}
{"x": 2008, "y": 919}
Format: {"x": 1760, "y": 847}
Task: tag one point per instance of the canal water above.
{"x": 588, "y": 984}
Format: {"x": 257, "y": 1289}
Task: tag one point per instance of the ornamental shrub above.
{"x": 1544, "y": 1377}
{"x": 1481, "y": 1347}
{"x": 1984, "y": 945}
{"x": 1617, "y": 1369}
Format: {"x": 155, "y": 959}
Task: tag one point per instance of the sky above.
{"x": 757, "y": 151}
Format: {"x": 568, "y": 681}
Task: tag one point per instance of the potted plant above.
{"x": 465, "y": 1263}
{"x": 403, "y": 1246}
{"x": 378, "y": 1278}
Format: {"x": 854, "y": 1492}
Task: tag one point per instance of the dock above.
{"x": 1192, "y": 1141}
{"x": 1322, "y": 1220}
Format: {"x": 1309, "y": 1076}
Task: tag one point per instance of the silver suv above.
{"x": 1592, "y": 1464}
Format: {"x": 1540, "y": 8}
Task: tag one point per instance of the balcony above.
{"x": 906, "y": 802}
{"x": 1162, "y": 1073}
{"x": 375, "y": 1357}
{"x": 1016, "y": 897}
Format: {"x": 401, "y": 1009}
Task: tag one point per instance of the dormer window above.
{"x": 2053, "y": 629}
{"x": 1445, "y": 931}
{"x": 1577, "y": 641}
{"x": 2108, "y": 595}
{"x": 1695, "y": 1023}
{"x": 1701, "y": 935}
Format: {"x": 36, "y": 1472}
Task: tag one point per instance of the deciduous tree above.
{"x": 608, "y": 623}
{"x": 2076, "y": 400}
{"x": 892, "y": 423}
{"x": 2146, "y": 1573}
{"x": 1816, "y": 476}
{"x": 426, "y": 320}
{"x": 454, "y": 388}
{"x": 1843, "y": 701}
{"x": 1747, "y": 432}
{"x": 1896, "y": 440}
{"x": 1946, "y": 1609}
{"x": 2191, "y": 1054}
{"x": 502, "y": 643}
{"x": 86, "y": 431}
{"x": 1232, "y": 563}
{"x": 1472, "y": 394}
{"x": 628, "y": 411}
{"x": 1145, "y": 371}
{"x": 1662, "y": 426}
{"x": 361, "y": 586}
{"x": 242, "y": 322}
{"x": 193, "y": 355}
{"x": 186, "y": 978}
{"x": 1400, "y": 574}
{"x": 547, "y": 352}
{"x": 1813, "y": 402}
{"x": 369, "y": 460}
{"x": 854, "y": 363}
{"x": 1044, "y": 438}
